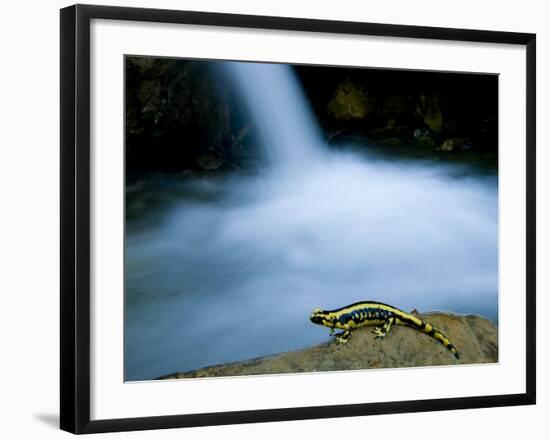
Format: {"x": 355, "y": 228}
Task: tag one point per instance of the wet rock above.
{"x": 475, "y": 338}
{"x": 210, "y": 162}
{"x": 420, "y": 133}
{"x": 424, "y": 141}
{"x": 350, "y": 101}
{"x": 178, "y": 111}
{"x": 428, "y": 109}
{"x": 390, "y": 129}
{"x": 390, "y": 142}
{"x": 451, "y": 144}
{"x": 394, "y": 105}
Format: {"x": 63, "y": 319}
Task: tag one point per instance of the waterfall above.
{"x": 288, "y": 132}
{"x": 229, "y": 267}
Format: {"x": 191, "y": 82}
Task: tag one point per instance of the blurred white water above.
{"x": 289, "y": 134}
{"x": 233, "y": 271}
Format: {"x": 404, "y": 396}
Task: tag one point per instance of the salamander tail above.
{"x": 440, "y": 337}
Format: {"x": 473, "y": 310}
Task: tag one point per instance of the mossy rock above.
{"x": 451, "y": 144}
{"x": 424, "y": 142}
{"x": 429, "y": 110}
{"x": 350, "y": 101}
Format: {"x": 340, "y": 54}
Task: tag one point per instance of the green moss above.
{"x": 350, "y": 101}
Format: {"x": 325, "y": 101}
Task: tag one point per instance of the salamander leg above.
{"x": 343, "y": 337}
{"x": 382, "y": 332}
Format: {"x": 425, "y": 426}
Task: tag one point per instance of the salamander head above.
{"x": 324, "y": 318}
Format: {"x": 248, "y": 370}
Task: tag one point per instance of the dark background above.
{"x": 183, "y": 115}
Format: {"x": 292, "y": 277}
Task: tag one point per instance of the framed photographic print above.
{"x": 258, "y": 212}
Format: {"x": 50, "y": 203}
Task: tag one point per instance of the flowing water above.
{"x": 289, "y": 135}
{"x": 229, "y": 268}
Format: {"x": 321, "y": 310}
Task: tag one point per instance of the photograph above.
{"x": 296, "y": 218}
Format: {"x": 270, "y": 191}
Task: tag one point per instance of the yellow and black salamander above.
{"x": 374, "y": 314}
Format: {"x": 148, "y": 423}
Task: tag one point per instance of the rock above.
{"x": 424, "y": 142}
{"x": 350, "y": 102}
{"x": 390, "y": 129}
{"x": 450, "y": 144}
{"x": 393, "y": 105}
{"x": 209, "y": 162}
{"x": 475, "y": 338}
{"x": 421, "y": 133}
{"x": 390, "y": 142}
{"x": 428, "y": 109}
{"x": 180, "y": 110}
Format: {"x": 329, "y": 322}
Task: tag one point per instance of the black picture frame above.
{"x": 75, "y": 217}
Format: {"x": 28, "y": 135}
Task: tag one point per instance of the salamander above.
{"x": 376, "y": 314}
